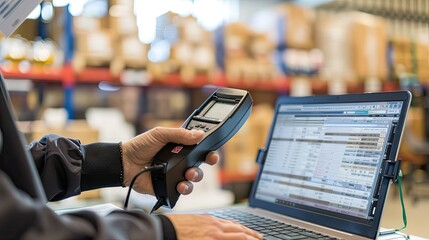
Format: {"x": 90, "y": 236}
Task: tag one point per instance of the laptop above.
{"x": 15, "y": 160}
{"x": 326, "y": 167}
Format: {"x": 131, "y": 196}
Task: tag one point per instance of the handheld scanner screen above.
{"x": 219, "y": 110}
{"x": 225, "y": 105}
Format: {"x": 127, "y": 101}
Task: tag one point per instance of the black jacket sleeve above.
{"x": 66, "y": 168}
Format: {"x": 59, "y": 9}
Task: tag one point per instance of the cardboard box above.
{"x": 333, "y": 39}
{"x": 241, "y": 150}
{"x": 190, "y": 31}
{"x": 76, "y": 129}
{"x": 422, "y": 52}
{"x": 261, "y": 49}
{"x": 83, "y": 24}
{"x": 354, "y": 46}
{"x": 414, "y": 125}
{"x": 93, "y": 48}
{"x": 28, "y": 29}
{"x": 247, "y": 55}
{"x": 129, "y": 53}
{"x": 133, "y": 51}
{"x": 190, "y": 59}
{"x": 123, "y": 25}
{"x": 129, "y": 3}
{"x": 369, "y": 44}
{"x": 402, "y": 55}
{"x": 193, "y": 53}
{"x": 298, "y": 26}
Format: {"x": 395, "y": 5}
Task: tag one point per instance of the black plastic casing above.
{"x": 178, "y": 158}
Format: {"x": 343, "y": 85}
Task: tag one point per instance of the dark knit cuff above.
{"x": 168, "y": 228}
{"x": 101, "y": 166}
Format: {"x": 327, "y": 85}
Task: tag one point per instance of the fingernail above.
{"x": 186, "y": 188}
{"x": 195, "y": 177}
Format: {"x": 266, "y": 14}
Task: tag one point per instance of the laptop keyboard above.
{"x": 271, "y": 229}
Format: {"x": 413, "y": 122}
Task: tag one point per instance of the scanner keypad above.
{"x": 201, "y": 126}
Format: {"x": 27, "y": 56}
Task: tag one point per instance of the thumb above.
{"x": 178, "y": 135}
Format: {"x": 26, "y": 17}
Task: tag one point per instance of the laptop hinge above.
{"x": 261, "y": 156}
{"x": 391, "y": 169}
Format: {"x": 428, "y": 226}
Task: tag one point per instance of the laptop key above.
{"x": 272, "y": 238}
{"x": 258, "y": 229}
{"x": 265, "y": 231}
{"x": 287, "y": 237}
{"x": 310, "y": 234}
{"x": 292, "y": 234}
{"x": 272, "y": 227}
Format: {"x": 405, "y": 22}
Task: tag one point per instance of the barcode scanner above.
{"x": 220, "y": 116}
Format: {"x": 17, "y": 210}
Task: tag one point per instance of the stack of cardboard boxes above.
{"x": 193, "y": 52}
{"x": 241, "y": 150}
{"x": 190, "y": 49}
{"x": 247, "y": 55}
{"x": 369, "y": 44}
{"x": 93, "y": 43}
{"x": 354, "y": 46}
{"x": 291, "y": 29}
{"x": 130, "y": 52}
{"x": 110, "y": 41}
{"x": 422, "y": 60}
{"x": 411, "y": 57}
{"x": 294, "y": 38}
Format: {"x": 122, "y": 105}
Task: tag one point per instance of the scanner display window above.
{"x": 219, "y": 110}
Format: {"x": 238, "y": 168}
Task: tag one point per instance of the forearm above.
{"x": 66, "y": 168}
{"x": 23, "y": 218}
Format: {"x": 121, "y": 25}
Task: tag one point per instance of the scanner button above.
{"x": 203, "y": 125}
{"x": 206, "y": 129}
{"x": 177, "y": 149}
{"x": 190, "y": 127}
{"x": 198, "y": 125}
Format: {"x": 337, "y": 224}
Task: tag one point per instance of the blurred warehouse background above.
{"x": 105, "y": 70}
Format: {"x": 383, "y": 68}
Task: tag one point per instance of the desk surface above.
{"x": 397, "y": 236}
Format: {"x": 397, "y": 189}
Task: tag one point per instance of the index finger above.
{"x": 177, "y": 135}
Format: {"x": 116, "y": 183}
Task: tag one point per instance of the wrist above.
{"x": 121, "y": 176}
{"x": 132, "y": 165}
{"x": 100, "y": 166}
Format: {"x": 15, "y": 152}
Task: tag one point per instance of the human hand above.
{"x": 193, "y": 226}
{"x": 139, "y": 151}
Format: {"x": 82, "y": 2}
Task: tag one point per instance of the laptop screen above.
{"x": 325, "y": 158}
